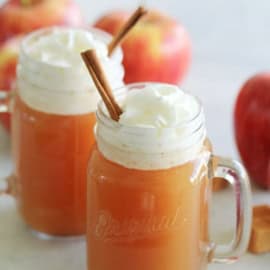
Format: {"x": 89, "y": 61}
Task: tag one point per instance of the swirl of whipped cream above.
{"x": 51, "y": 76}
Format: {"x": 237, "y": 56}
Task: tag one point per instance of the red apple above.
{"x": 23, "y": 16}
{"x": 157, "y": 49}
{"x": 9, "y": 51}
{"x": 252, "y": 127}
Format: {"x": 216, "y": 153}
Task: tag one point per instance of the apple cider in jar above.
{"x": 149, "y": 184}
{"x": 52, "y": 126}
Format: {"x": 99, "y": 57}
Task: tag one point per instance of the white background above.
{"x": 231, "y": 42}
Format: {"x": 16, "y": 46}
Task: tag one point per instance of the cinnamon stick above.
{"x": 124, "y": 30}
{"x": 96, "y": 71}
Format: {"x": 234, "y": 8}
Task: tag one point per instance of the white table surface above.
{"x": 230, "y": 42}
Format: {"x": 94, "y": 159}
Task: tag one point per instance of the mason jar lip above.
{"x": 37, "y": 33}
{"x": 108, "y": 121}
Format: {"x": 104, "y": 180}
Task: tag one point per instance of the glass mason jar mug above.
{"x": 53, "y": 117}
{"x": 148, "y": 196}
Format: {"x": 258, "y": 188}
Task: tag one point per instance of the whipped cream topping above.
{"x": 158, "y": 106}
{"x": 160, "y": 127}
{"x": 51, "y": 75}
{"x": 62, "y": 47}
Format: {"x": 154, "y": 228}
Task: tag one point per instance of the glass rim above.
{"x": 107, "y": 120}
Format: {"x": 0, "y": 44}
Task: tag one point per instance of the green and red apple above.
{"x": 252, "y": 127}
{"x": 23, "y": 16}
{"x": 157, "y": 49}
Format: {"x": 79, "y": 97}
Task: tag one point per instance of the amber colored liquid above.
{"x": 147, "y": 220}
{"x": 50, "y": 154}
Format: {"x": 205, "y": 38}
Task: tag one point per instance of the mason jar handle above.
{"x": 236, "y": 175}
{"x": 4, "y": 108}
{"x": 4, "y": 101}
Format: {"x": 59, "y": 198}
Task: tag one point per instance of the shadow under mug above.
{"x": 140, "y": 218}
